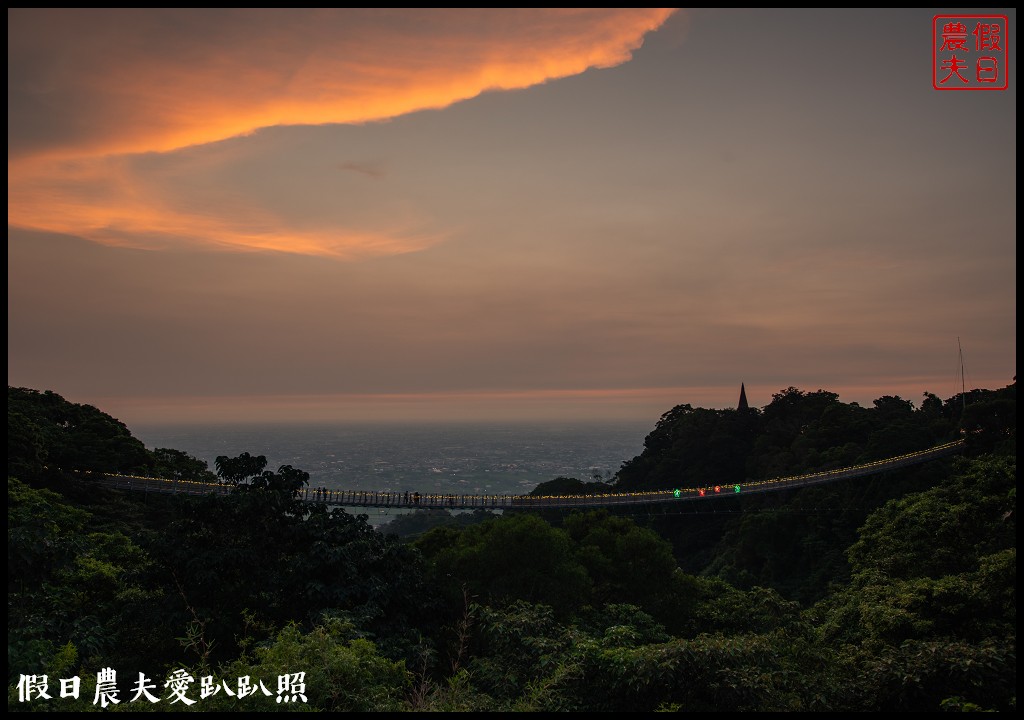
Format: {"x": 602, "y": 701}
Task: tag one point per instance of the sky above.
{"x": 240, "y": 215}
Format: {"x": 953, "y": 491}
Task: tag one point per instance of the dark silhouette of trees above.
{"x": 45, "y": 430}
{"x": 692, "y": 447}
{"x": 237, "y": 470}
{"x": 177, "y": 465}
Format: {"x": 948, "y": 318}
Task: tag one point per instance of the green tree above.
{"x": 26, "y": 446}
{"x": 336, "y": 670}
{"x": 626, "y": 564}
{"x": 67, "y": 436}
{"x": 69, "y": 584}
{"x": 929, "y": 615}
{"x": 177, "y": 465}
{"x": 238, "y": 470}
{"x": 944, "y": 530}
{"x": 513, "y": 557}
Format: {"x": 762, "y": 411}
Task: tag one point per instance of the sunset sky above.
{"x": 313, "y": 214}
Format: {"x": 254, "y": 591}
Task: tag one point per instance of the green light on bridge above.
{"x": 677, "y": 492}
{"x": 736, "y": 488}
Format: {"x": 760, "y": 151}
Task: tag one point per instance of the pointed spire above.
{"x": 743, "y": 398}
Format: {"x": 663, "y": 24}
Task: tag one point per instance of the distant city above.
{"x": 478, "y": 458}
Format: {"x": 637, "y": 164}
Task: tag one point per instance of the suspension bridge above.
{"x": 415, "y": 500}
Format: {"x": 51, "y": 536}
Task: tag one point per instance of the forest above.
{"x": 894, "y": 592}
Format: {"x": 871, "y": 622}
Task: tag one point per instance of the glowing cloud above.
{"x": 89, "y": 89}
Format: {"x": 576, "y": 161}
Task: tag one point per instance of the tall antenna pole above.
{"x": 963, "y": 381}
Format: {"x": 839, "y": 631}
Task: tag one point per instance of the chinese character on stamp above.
{"x": 969, "y": 52}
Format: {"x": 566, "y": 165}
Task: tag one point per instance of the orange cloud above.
{"x": 106, "y": 201}
{"x": 89, "y": 86}
{"x": 154, "y": 81}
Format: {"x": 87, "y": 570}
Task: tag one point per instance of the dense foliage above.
{"x": 895, "y": 592}
{"x": 795, "y": 542}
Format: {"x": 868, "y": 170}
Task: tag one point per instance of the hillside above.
{"x": 889, "y": 594}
